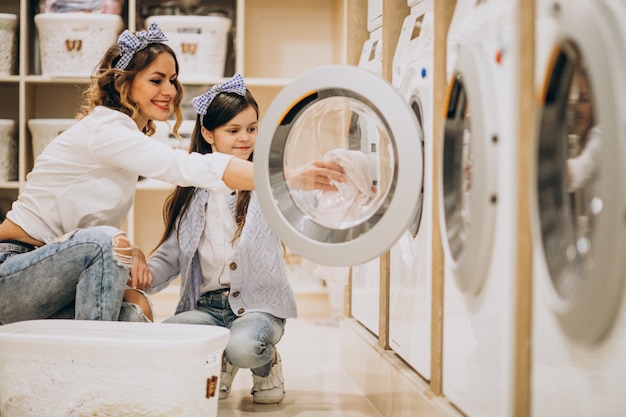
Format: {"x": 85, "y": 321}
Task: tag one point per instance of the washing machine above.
{"x": 323, "y": 112}
{"x": 579, "y": 231}
{"x": 365, "y": 290}
{"x": 478, "y": 208}
{"x": 410, "y": 299}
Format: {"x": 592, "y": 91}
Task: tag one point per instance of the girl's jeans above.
{"x": 77, "y": 276}
{"x": 252, "y": 336}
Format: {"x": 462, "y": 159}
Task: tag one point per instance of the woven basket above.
{"x": 72, "y": 44}
{"x": 43, "y": 131}
{"x": 8, "y": 43}
{"x": 200, "y": 43}
{"x": 8, "y": 150}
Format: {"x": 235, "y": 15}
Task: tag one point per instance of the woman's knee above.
{"x": 109, "y": 239}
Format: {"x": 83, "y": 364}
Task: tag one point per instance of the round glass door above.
{"x": 356, "y": 119}
{"x": 569, "y": 199}
{"x": 469, "y": 171}
{"x": 580, "y": 187}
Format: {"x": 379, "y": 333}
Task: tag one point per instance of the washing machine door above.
{"x": 350, "y": 115}
{"x": 469, "y": 170}
{"x": 416, "y": 92}
{"x": 580, "y": 178}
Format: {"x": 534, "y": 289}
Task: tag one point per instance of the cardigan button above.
{"x": 241, "y": 311}
{"x": 236, "y": 294}
{"x": 233, "y": 266}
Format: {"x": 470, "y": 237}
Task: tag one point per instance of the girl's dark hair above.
{"x": 110, "y": 87}
{"x": 223, "y": 108}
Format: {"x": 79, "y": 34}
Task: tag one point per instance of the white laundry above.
{"x": 345, "y": 206}
{"x": 341, "y": 208}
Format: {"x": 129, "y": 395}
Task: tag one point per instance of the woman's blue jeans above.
{"x": 252, "y": 336}
{"x": 78, "y": 275}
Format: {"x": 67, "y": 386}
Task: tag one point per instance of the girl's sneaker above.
{"x": 271, "y": 389}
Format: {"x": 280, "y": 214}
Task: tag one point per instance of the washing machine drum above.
{"x": 579, "y": 187}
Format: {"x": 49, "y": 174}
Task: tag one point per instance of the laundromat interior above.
{"x": 483, "y": 277}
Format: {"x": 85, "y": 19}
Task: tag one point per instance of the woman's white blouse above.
{"x": 87, "y": 176}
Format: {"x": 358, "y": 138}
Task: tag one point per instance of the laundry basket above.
{"x": 72, "y": 44}
{"x": 43, "y": 131}
{"x": 112, "y": 369}
{"x": 8, "y": 150}
{"x": 8, "y": 43}
{"x": 200, "y": 43}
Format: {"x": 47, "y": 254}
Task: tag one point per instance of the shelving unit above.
{"x": 272, "y": 42}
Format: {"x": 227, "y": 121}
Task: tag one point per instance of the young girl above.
{"x": 61, "y": 251}
{"x": 229, "y": 260}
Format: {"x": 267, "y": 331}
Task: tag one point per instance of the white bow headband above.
{"x": 234, "y": 85}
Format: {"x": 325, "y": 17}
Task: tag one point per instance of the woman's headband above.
{"x": 130, "y": 44}
{"x": 234, "y": 85}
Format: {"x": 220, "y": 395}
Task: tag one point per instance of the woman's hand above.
{"x": 317, "y": 175}
{"x": 140, "y": 274}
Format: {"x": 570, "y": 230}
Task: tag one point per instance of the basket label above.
{"x": 211, "y": 386}
{"x": 71, "y": 44}
{"x": 188, "y": 48}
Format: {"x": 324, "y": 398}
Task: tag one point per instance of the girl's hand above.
{"x": 317, "y": 175}
{"x": 140, "y": 274}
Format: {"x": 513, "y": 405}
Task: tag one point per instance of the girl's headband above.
{"x": 234, "y": 85}
{"x": 130, "y": 44}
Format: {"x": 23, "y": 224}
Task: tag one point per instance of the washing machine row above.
{"x": 579, "y": 328}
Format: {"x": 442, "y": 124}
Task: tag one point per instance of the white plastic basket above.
{"x": 112, "y": 369}
{"x": 72, "y": 44}
{"x": 8, "y": 150}
{"x": 8, "y": 43}
{"x": 43, "y": 131}
{"x": 200, "y": 43}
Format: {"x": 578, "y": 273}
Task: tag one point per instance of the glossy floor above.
{"x": 315, "y": 383}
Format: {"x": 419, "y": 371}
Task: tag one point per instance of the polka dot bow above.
{"x": 129, "y": 44}
{"x": 234, "y": 85}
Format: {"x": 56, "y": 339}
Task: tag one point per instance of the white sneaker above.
{"x": 226, "y": 379}
{"x": 271, "y": 389}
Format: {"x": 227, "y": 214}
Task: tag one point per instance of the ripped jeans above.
{"x": 82, "y": 275}
{"x": 252, "y": 336}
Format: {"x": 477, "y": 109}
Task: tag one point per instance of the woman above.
{"x": 62, "y": 253}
